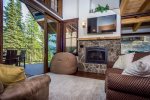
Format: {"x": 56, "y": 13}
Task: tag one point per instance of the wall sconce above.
{"x": 83, "y": 24}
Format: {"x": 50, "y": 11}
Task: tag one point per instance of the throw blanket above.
{"x": 68, "y": 87}
{"x": 139, "y": 68}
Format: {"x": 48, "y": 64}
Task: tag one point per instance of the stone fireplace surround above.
{"x": 113, "y": 44}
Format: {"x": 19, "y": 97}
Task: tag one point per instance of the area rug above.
{"x": 68, "y": 87}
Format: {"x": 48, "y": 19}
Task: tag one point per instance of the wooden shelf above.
{"x": 99, "y": 38}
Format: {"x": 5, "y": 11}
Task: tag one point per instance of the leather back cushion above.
{"x": 1, "y": 87}
{"x": 138, "y": 56}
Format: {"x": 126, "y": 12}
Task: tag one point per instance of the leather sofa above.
{"x": 36, "y": 88}
{"x": 123, "y": 87}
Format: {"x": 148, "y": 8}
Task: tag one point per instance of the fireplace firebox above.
{"x": 96, "y": 55}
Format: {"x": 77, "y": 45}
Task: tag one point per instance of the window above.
{"x": 71, "y": 35}
{"x": 135, "y": 44}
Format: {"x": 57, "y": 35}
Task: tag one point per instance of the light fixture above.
{"x": 83, "y": 24}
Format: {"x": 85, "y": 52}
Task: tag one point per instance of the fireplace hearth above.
{"x": 96, "y": 55}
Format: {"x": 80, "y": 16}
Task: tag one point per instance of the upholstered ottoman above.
{"x": 64, "y": 63}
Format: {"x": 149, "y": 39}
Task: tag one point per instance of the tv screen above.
{"x": 102, "y": 24}
{"x": 106, "y": 24}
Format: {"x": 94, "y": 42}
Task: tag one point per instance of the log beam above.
{"x": 144, "y": 6}
{"x": 123, "y": 6}
{"x": 135, "y": 20}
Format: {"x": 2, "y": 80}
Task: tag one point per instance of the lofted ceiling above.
{"x": 135, "y": 13}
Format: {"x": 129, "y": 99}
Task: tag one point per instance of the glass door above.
{"x": 23, "y": 32}
{"x": 71, "y": 35}
{"x": 52, "y": 38}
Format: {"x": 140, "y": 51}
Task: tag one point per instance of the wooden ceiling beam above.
{"x": 123, "y": 6}
{"x": 135, "y": 20}
{"x": 144, "y": 6}
{"x": 136, "y": 26}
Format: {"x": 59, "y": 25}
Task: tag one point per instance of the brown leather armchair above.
{"x": 36, "y": 88}
{"x": 123, "y": 87}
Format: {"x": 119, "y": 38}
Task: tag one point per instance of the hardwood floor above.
{"x": 90, "y": 75}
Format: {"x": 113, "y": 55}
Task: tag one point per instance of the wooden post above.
{"x": 45, "y": 44}
{"x": 1, "y": 31}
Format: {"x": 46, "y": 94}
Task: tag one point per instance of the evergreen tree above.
{"x": 34, "y": 38}
{"x": 19, "y": 13}
{"x": 13, "y": 35}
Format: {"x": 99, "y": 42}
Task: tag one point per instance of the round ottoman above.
{"x": 64, "y": 63}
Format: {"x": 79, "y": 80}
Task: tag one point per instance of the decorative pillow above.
{"x": 1, "y": 87}
{"x": 11, "y": 74}
{"x": 140, "y": 67}
{"x": 124, "y": 61}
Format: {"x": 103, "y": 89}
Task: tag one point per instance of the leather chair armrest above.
{"x": 129, "y": 84}
{"x": 36, "y": 88}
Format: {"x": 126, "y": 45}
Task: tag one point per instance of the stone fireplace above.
{"x": 94, "y": 54}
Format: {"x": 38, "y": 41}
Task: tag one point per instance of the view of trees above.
{"x": 135, "y": 44}
{"x": 22, "y": 34}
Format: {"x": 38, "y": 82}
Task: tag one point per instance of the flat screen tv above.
{"x": 102, "y": 24}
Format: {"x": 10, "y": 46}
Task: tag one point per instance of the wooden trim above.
{"x": 58, "y": 38}
{"x": 99, "y": 38}
{"x": 42, "y": 8}
{"x": 1, "y": 31}
{"x": 62, "y": 35}
{"x": 45, "y": 44}
{"x": 135, "y": 20}
{"x": 123, "y": 6}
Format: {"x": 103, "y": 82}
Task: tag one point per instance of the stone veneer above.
{"x": 114, "y": 50}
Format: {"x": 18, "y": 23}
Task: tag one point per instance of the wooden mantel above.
{"x": 99, "y": 38}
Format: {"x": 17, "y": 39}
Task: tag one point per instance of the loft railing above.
{"x": 53, "y": 5}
